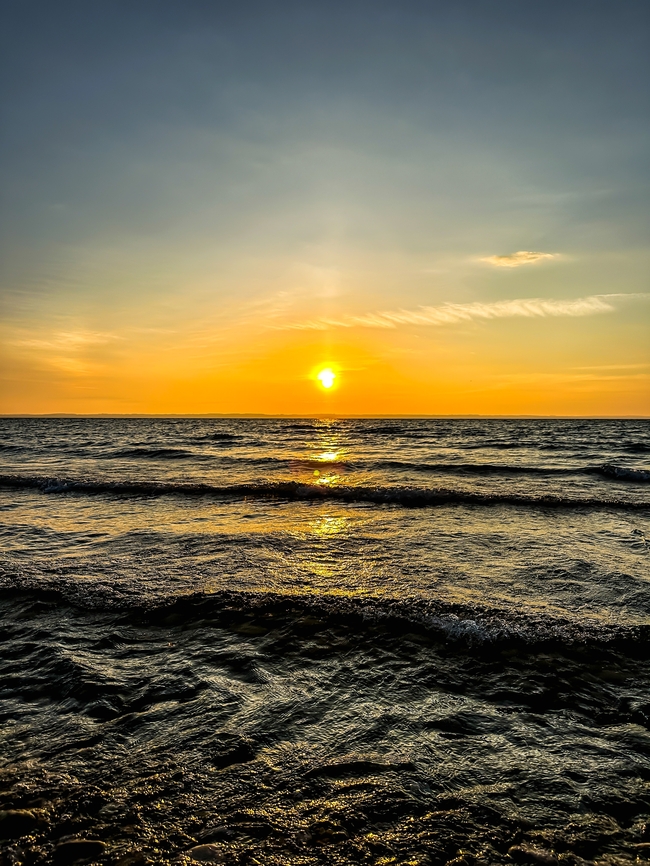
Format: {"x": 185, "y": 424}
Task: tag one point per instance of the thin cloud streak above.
{"x": 515, "y": 260}
{"x": 70, "y": 341}
{"x": 451, "y": 314}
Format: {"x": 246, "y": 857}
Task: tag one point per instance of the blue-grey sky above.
{"x": 196, "y": 185}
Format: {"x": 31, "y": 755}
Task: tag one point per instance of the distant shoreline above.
{"x": 317, "y": 415}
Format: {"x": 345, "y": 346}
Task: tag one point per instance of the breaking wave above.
{"x": 609, "y": 470}
{"x": 470, "y": 623}
{"x": 623, "y": 473}
{"x": 406, "y": 496}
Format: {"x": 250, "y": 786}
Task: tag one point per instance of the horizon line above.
{"x": 313, "y": 415}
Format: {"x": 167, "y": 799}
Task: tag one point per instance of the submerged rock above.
{"x": 15, "y": 823}
{"x": 132, "y": 858}
{"x": 78, "y": 849}
{"x": 207, "y": 853}
{"x": 232, "y": 749}
{"x": 524, "y": 854}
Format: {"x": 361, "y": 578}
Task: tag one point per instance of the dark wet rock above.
{"x": 249, "y": 628}
{"x": 15, "y": 823}
{"x": 524, "y": 854}
{"x": 591, "y": 835}
{"x": 232, "y": 749}
{"x": 216, "y": 834}
{"x": 327, "y": 833}
{"x": 132, "y": 858}
{"x": 111, "y": 811}
{"x": 103, "y": 710}
{"x": 73, "y": 850}
{"x": 223, "y": 833}
{"x": 254, "y": 829}
{"x": 342, "y": 769}
{"x": 207, "y": 853}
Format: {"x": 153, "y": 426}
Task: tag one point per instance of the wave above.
{"x": 408, "y": 497}
{"x": 639, "y": 447}
{"x": 477, "y": 468}
{"x": 608, "y": 470}
{"x": 301, "y": 427}
{"x": 154, "y": 453}
{"x": 623, "y": 473}
{"x": 218, "y": 438}
{"x": 520, "y": 444}
{"x": 467, "y": 623}
{"x": 322, "y": 465}
{"x": 393, "y": 430}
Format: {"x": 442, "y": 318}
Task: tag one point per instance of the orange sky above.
{"x": 595, "y": 363}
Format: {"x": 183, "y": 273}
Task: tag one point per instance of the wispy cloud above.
{"x": 614, "y": 367}
{"x": 450, "y": 314}
{"x": 68, "y": 341}
{"x": 515, "y": 260}
{"x": 73, "y": 351}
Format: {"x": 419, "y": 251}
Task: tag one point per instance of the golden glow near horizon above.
{"x": 326, "y": 377}
{"x": 566, "y": 365}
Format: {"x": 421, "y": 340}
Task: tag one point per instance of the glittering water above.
{"x": 296, "y": 641}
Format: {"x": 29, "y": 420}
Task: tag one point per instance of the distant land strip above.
{"x": 318, "y": 416}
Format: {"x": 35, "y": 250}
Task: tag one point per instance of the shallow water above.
{"x": 297, "y": 641}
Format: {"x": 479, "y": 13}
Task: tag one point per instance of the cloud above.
{"x": 515, "y": 260}
{"x": 69, "y": 351}
{"x": 69, "y": 341}
{"x": 451, "y": 314}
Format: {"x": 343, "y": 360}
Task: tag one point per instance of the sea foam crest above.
{"x": 470, "y": 623}
{"x": 623, "y": 473}
{"x": 405, "y": 496}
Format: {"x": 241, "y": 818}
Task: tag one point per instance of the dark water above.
{"x": 301, "y": 642}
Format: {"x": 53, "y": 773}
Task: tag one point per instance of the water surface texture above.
{"x": 264, "y": 641}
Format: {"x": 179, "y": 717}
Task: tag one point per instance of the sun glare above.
{"x": 326, "y": 378}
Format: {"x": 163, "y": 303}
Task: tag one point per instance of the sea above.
{"x": 324, "y": 641}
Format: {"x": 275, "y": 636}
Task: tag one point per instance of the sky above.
{"x": 445, "y": 203}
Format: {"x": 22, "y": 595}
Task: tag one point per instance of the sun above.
{"x": 326, "y": 377}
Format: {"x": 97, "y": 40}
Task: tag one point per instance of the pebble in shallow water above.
{"x": 73, "y": 850}
{"x": 15, "y": 823}
{"x": 207, "y": 854}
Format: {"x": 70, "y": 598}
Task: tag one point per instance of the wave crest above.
{"x": 407, "y": 497}
{"x": 465, "y": 623}
{"x": 623, "y": 473}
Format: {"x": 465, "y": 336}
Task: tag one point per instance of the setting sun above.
{"x": 326, "y": 378}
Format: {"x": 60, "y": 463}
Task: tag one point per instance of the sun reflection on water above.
{"x": 329, "y": 524}
{"x": 328, "y": 456}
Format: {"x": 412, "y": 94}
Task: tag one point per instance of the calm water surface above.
{"x": 306, "y": 642}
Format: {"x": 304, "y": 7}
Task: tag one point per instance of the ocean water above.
{"x": 262, "y": 641}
